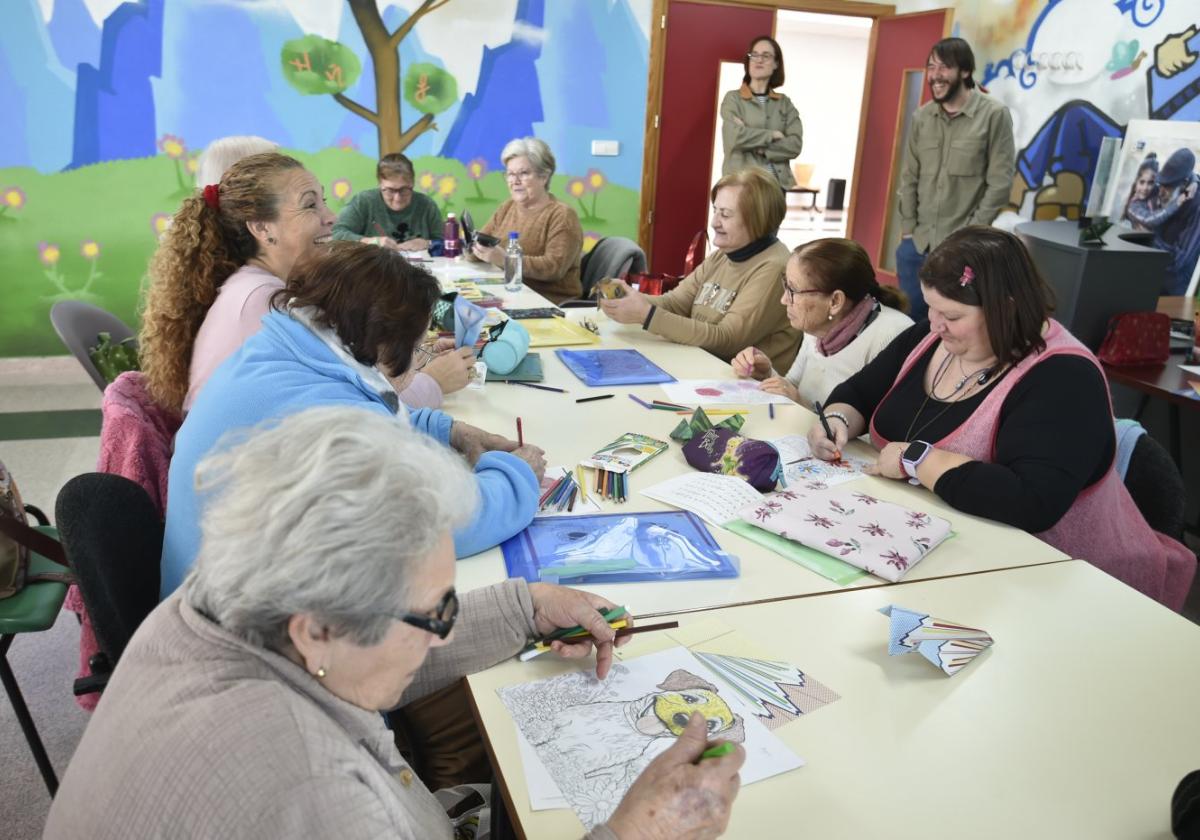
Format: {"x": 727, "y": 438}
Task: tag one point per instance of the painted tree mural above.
{"x": 314, "y": 65}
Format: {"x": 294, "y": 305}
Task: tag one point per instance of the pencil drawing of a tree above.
{"x": 315, "y": 65}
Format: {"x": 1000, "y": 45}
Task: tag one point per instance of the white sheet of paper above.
{"x": 716, "y": 499}
{"x": 1190, "y": 368}
{"x": 692, "y": 392}
{"x": 544, "y": 794}
{"x": 580, "y": 727}
{"x": 794, "y": 448}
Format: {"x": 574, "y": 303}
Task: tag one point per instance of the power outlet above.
{"x": 606, "y": 148}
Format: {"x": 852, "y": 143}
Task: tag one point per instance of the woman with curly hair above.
{"x": 229, "y": 248}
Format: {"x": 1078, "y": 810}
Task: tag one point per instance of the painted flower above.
{"x": 347, "y": 144}
{"x": 193, "y": 164}
{"x": 865, "y": 499}
{"x": 922, "y": 544}
{"x": 917, "y": 519}
{"x": 816, "y": 484}
{"x": 476, "y": 169}
{"x": 844, "y": 547}
{"x": 819, "y": 521}
{"x": 590, "y": 238}
{"x": 159, "y": 223}
{"x": 838, "y": 507}
{"x": 895, "y": 558}
{"x": 172, "y": 146}
{"x": 874, "y": 529}
{"x": 768, "y": 509}
{"x": 48, "y": 253}
{"x": 595, "y": 180}
{"x": 90, "y": 249}
{"x": 13, "y": 197}
{"x": 340, "y": 189}
{"x": 446, "y": 185}
{"x": 426, "y": 181}
{"x": 576, "y": 187}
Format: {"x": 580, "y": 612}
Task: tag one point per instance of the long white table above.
{"x": 569, "y": 432}
{"x": 1078, "y": 722}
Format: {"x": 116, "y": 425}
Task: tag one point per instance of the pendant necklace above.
{"x": 980, "y": 377}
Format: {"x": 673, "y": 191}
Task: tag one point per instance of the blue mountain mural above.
{"x": 601, "y": 98}
{"x": 75, "y": 36}
{"x": 506, "y": 102}
{"x": 37, "y": 95}
{"x": 114, "y": 103}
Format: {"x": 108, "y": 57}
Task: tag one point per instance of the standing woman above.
{"x": 760, "y": 126}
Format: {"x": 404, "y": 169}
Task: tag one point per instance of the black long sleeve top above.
{"x": 1054, "y": 440}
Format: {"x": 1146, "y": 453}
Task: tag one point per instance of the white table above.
{"x": 1078, "y": 722}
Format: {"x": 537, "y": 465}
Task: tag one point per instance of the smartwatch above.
{"x": 913, "y": 455}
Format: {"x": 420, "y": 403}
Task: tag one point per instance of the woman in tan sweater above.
{"x": 731, "y": 300}
{"x": 551, "y": 238}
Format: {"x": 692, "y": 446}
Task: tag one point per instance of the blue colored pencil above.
{"x": 640, "y": 402}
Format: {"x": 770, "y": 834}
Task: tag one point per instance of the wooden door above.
{"x": 899, "y": 45}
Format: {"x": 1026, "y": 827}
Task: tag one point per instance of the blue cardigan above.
{"x": 286, "y": 368}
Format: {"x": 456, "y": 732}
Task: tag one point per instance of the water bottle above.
{"x": 451, "y": 247}
{"x": 514, "y": 270}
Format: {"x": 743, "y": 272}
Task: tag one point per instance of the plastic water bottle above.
{"x": 514, "y": 268}
{"x": 451, "y": 247}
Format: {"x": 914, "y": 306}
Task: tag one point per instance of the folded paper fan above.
{"x": 947, "y": 645}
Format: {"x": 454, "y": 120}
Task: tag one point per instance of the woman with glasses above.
{"x": 831, "y": 295}
{"x": 223, "y": 257}
{"x": 393, "y": 216}
{"x": 341, "y": 333}
{"x": 549, "y": 231}
{"x": 760, "y": 126}
{"x": 247, "y": 705}
{"x": 729, "y": 301}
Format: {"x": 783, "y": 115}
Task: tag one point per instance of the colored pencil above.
{"x": 520, "y": 433}
{"x": 675, "y": 406}
{"x": 593, "y": 399}
{"x": 640, "y": 402}
{"x": 579, "y": 481}
{"x": 535, "y": 385}
{"x": 543, "y": 647}
{"x": 771, "y": 410}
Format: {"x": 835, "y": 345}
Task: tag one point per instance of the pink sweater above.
{"x": 236, "y": 314}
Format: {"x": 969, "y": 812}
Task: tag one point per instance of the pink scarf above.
{"x": 847, "y": 329}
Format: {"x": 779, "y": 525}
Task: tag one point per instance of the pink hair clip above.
{"x": 968, "y": 276}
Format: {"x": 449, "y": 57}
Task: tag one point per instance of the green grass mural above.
{"x": 89, "y": 233}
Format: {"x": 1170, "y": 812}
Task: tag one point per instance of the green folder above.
{"x": 838, "y": 571}
{"x": 530, "y": 370}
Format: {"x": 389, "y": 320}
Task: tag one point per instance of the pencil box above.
{"x": 507, "y": 349}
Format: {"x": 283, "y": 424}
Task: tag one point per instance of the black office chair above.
{"x": 1157, "y": 488}
{"x": 112, "y": 535}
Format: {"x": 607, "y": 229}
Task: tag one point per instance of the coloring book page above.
{"x": 801, "y": 467}
{"x": 691, "y": 392}
{"x": 595, "y": 738}
{"x": 778, "y": 692}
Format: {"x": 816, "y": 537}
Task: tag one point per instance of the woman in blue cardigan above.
{"x": 345, "y": 319}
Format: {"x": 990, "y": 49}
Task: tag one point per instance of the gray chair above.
{"x": 79, "y": 324}
{"x": 612, "y": 256}
{"x": 1157, "y": 488}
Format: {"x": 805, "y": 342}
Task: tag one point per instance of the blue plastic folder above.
{"x": 613, "y": 367}
{"x": 617, "y": 548}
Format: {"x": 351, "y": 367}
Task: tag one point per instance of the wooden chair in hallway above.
{"x": 803, "y": 173}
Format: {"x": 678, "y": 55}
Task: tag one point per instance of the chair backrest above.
{"x": 612, "y": 256}
{"x": 78, "y": 324}
{"x": 803, "y": 173}
{"x": 113, "y": 537}
{"x": 1157, "y": 488}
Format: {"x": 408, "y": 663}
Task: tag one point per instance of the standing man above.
{"x": 958, "y": 164}
{"x": 393, "y": 216}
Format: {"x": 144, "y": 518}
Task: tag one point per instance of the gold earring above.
{"x": 321, "y": 673}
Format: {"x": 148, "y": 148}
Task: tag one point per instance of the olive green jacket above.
{"x": 750, "y": 144}
{"x": 957, "y": 171}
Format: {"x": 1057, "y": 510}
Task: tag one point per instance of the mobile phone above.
{"x": 486, "y": 239}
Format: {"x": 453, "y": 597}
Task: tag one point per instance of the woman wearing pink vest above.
{"x": 999, "y": 410}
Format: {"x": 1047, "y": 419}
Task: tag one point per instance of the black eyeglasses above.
{"x": 791, "y": 293}
{"x": 441, "y": 622}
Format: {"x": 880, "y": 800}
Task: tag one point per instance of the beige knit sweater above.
{"x": 552, "y": 242}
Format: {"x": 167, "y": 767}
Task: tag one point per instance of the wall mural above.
{"x": 1074, "y": 72}
{"x": 106, "y": 106}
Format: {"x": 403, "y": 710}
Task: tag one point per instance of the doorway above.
{"x": 825, "y": 63}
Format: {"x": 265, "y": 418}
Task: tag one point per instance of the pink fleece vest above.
{"x": 1103, "y": 526}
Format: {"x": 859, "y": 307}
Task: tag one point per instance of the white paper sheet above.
{"x": 595, "y": 738}
{"x": 716, "y": 499}
{"x": 691, "y": 392}
{"x": 800, "y": 466}
{"x": 544, "y": 794}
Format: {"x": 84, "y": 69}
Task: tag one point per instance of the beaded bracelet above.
{"x": 829, "y": 415}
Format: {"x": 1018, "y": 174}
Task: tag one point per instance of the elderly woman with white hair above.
{"x": 246, "y": 705}
{"x": 549, "y": 231}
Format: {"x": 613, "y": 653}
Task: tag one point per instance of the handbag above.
{"x": 507, "y": 346}
{"x": 1137, "y": 338}
{"x": 16, "y": 541}
{"x": 659, "y": 283}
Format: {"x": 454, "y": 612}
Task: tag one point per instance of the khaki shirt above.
{"x": 750, "y": 144}
{"x": 957, "y": 171}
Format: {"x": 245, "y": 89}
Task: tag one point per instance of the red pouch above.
{"x": 658, "y": 283}
{"x": 1137, "y": 338}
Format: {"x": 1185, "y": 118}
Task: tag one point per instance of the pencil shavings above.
{"x": 949, "y": 646}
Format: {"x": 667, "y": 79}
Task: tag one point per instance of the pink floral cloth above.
{"x": 880, "y": 537}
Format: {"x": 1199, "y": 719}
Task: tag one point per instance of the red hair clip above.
{"x": 968, "y": 276}
{"x": 212, "y": 197}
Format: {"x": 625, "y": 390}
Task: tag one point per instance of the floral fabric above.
{"x": 880, "y": 537}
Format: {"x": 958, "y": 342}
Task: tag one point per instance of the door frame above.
{"x": 658, "y": 53}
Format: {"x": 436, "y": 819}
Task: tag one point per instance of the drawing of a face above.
{"x": 674, "y": 709}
